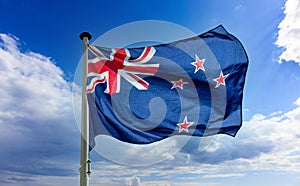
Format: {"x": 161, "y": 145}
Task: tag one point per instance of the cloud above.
{"x": 263, "y": 143}
{"x": 289, "y": 32}
{"x": 131, "y": 181}
{"x": 222, "y": 175}
{"x": 297, "y": 102}
{"x": 22, "y": 179}
{"x": 128, "y": 181}
{"x": 38, "y": 132}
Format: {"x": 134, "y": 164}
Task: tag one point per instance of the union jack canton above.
{"x": 108, "y": 70}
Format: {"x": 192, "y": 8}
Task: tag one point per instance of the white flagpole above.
{"x": 84, "y": 154}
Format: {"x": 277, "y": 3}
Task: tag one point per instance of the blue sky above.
{"x": 39, "y": 53}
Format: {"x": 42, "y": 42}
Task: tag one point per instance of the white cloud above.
{"x": 289, "y": 32}
{"x": 9, "y": 178}
{"x": 36, "y": 120}
{"x": 297, "y": 102}
{"x": 31, "y": 85}
{"x": 263, "y": 143}
{"x": 223, "y": 175}
{"x": 130, "y": 181}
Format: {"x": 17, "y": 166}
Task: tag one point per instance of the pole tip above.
{"x": 85, "y": 34}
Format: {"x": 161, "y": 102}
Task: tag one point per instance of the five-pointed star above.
{"x": 220, "y": 80}
{"x": 178, "y": 83}
{"x": 185, "y": 125}
{"x": 198, "y": 64}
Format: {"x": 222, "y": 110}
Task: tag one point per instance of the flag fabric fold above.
{"x": 188, "y": 87}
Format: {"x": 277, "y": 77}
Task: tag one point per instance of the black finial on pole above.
{"x": 85, "y": 34}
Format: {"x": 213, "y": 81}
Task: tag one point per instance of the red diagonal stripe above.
{"x": 146, "y": 53}
{"x": 139, "y": 80}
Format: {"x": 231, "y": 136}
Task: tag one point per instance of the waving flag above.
{"x": 188, "y": 87}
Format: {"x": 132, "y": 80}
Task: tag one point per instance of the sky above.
{"x": 39, "y": 53}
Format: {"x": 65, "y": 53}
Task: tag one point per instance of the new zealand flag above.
{"x": 189, "y": 87}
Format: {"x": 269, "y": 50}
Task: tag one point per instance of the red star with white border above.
{"x": 178, "y": 84}
{"x": 185, "y": 125}
{"x": 220, "y": 80}
{"x": 198, "y": 64}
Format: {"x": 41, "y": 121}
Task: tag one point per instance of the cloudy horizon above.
{"x": 40, "y": 138}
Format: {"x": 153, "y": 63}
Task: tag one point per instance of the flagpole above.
{"x": 84, "y": 154}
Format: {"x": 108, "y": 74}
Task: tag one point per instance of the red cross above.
{"x": 119, "y": 65}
